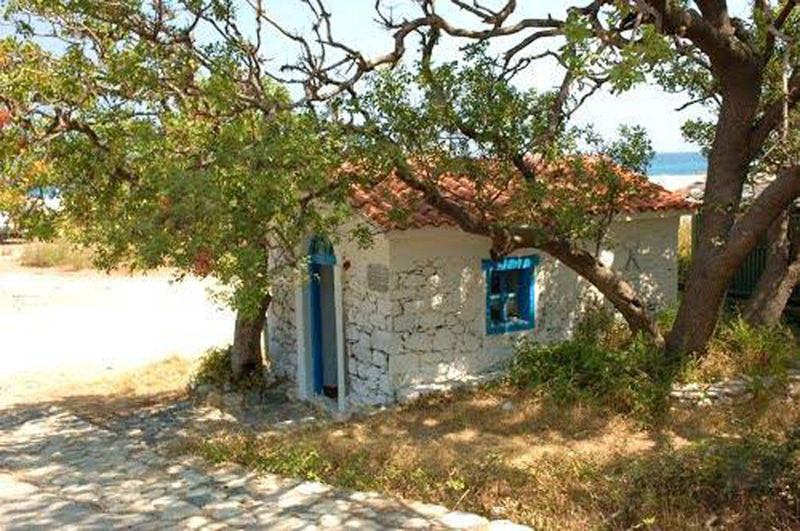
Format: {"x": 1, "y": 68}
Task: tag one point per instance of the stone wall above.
{"x": 367, "y": 316}
{"x": 282, "y": 331}
{"x": 435, "y": 307}
{"x": 367, "y": 323}
{"x": 438, "y": 297}
{"x": 734, "y": 391}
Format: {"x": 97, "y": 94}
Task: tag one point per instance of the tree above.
{"x": 718, "y": 59}
{"x": 781, "y": 274}
{"x": 697, "y": 48}
{"x": 782, "y": 267}
{"x": 740, "y": 58}
{"x": 159, "y": 160}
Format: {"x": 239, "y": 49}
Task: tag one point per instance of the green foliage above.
{"x": 632, "y": 149}
{"x": 215, "y": 369}
{"x": 738, "y": 348}
{"x": 158, "y": 158}
{"x": 626, "y": 380}
{"x": 466, "y": 118}
{"x": 603, "y": 363}
{"x": 287, "y": 460}
{"x": 738, "y": 474}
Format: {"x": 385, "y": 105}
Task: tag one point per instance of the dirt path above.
{"x": 62, "y": 328}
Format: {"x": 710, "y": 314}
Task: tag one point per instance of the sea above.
{"x": 678, "y": 164}
{"x": 677, "y": 170}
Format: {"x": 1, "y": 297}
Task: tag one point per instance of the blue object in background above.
{"x": 678, "y": 164}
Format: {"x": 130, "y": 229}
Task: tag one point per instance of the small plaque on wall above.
{"x": 378, "y": 278}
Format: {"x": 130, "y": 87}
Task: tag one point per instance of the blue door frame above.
{"x": 320, "y": 255}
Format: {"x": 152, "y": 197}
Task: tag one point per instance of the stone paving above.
{"x": 58, "y": 470}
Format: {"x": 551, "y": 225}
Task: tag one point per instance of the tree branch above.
{"x": 773, "y": 115}
{"x": 769, "y": 204}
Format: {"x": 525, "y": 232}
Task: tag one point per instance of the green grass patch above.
{"x": 214, "y": 368}
{"x": 740, "y": 349}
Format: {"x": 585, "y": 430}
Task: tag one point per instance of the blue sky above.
{"x": 353, "y": 22}
{"x": 648, "y": 106}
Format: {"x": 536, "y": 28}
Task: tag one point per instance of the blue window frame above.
{"x": 510, "y": 297}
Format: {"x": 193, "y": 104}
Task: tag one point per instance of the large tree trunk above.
{"x": 729, "y": 162}
{"x": 781, "y": 274}
{"x": 246, "y": 354}
{"x": 718, "y": 269}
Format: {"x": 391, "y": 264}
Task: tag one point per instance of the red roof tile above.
{"x": 393, "y": 205}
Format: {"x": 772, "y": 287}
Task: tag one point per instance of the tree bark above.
{"x": 781, "y": 274}
{"x": 710, "y": 278}
{"x": 729, "y": 163}
{"x": 611, "y": 284}
{"x": 246, "y": 354}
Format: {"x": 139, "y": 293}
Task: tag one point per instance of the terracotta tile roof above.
{"x": 393, "y": 205}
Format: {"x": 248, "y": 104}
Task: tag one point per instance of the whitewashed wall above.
{"x": 439, "y": 296}
{"x": 438, "y": 300}
{"x": 367, "y": 313}
{"x": 367, "y": 324}
{"x": 430, "y": 325}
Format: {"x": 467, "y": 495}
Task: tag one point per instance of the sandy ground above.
{"x": 60, "y": 328}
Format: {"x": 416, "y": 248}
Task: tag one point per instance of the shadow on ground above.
{"x": 100, "y": 461}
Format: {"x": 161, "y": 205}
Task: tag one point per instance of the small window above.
{"x": 510, "y": 294}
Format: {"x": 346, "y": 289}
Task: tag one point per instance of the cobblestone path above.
{"x": 60, "y": 471}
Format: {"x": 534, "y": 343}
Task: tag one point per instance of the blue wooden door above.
{"x": 316, "y": 326}
{"x": 320, "y": 255}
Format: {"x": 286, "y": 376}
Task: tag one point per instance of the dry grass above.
{"x": 105, "y": 398}
{"x": 535, "y": 462}
{"x": 58, "y": 254}
{"x": 116, "y": 395}
{"x": 685, "y": 236}
{"x": 164, "y": 376}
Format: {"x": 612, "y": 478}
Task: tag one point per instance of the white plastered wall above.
{"x": 430, "y": 325}
{"x": 366, "y": 325}
{"x": 438, "y": 295}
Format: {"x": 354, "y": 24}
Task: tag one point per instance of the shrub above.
{"x": 215, "y": 369}
{"x": 603, "y": 363}
{"x": 738, "y": 348}
{"x": 606, "y": 364}
{"x": 600, "y": 325}
{"x": 748, "y": 483}
{"x": 56, "y": 254}
{"x": 627, "y": 380}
